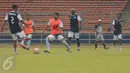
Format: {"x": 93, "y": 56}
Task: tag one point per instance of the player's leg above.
{"x": 14, "y": 36}
{"x": 115, "y": 38}
{"x": 29, "y": 41}
{"x": 120, "y": 41}
{"x": 103, "y": 42}
{"x": 24, "y": 38}
{"x": 47, "y": 39}
{"x": 70, "y": 36}
{"x": 61, "y": 38}
{"x": 77, "y": 40}
{"x": 96, "y": 41}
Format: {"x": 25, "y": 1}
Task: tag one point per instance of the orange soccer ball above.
{"x": 36, "y": 51}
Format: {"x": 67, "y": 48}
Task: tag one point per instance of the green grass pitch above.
{"x": 88, "y": 60}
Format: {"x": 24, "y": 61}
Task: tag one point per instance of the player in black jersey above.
{"x": 13, "y": 18}
{"x": 117, "y": 30}
{"x": 75, "y": 27}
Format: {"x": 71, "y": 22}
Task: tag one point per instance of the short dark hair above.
{"x": 27, "y": 14}
{"x": 14, "y": 6}
{"x": 56, "y": 13}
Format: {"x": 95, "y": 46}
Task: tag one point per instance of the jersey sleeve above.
{"x": 121, "y": 23}
{"x": 61, "y": 24}
{"x": 6, "y": 17}
{"x": 32, "y": 23}
{"x": 113, "y": 22}
{"x": 19, "y": 17}
{"x": 49, "y": 22}
{"x": 78, "y": 18}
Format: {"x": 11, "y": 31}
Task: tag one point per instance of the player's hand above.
{"x": 114, "y": 29}
{"x": 26, "y": 25}
{"x": 1, "y": 29}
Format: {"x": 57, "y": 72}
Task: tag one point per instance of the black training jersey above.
{"x": 14, "y": 22}
{"x": 74, "y": 27}
{"x": 118, "y": 26}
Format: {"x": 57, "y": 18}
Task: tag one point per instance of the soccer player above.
{"x": 117, "y": 29}
{"x": 56, "y": 27}
{"x": 29, "y": 31}
{"x": 75, "y": 27}
{"x": 99, "y": 35}
{"x": 13, "y": 18}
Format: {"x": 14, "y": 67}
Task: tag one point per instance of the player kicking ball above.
{"x": 56, "y": 27}
{"x": 117, "y": 29}
{"x": 29, "y": 31}
{"x": 13, "y": 18}
{"x": 99, "y": 35}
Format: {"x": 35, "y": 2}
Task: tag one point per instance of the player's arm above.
{"x": 113, "y": 24}
{"x": 6, "y": 18}
{"x": 95, "y": 29}
{"x": 79, "y": 21}
{"x": 46, "y": 27}
{"x": 21, "y": 20}
{"x": 2, "y": 28}
{"x": 61, "y": 27}
{"x": 33, "y": 26}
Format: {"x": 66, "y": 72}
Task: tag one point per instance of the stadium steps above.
{"x": 64, "y": 6}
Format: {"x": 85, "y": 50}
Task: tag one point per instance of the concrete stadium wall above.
{"x": 84, "y": 38}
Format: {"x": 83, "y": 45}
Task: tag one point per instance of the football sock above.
{"x": 15, "y": 47}
{"x": 69, "y": 41}
{"x": 120, "y": 46}
{"x": 48, "y": 44}
{"x": 114, "y": 43}
{"x": 78, "y": 43}
{"x": 66, "y": 44}
{"x": 95, "y": 45}
{"x": 28, "y": 43}
{"x": 104, "y": 45}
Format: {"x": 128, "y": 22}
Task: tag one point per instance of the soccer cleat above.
{"x": 47, "y": 51}
{"x": 23, "y": 46}
{"x": 78, "y": 49}
{"x": 28, "y": 48}
{"x": 69, "y": 51}
{"x": 16, "y": 53}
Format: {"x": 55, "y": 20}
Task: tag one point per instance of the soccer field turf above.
{"x": 88, "y": 60}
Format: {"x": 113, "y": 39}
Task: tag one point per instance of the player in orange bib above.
{"x": 29, "y": 31}
{"x": 56, "y": 27}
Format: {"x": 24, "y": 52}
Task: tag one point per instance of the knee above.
{"x": 46, "y": 39}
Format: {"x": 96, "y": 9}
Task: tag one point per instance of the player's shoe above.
{"x": 47, "y": 51}
{"x": 16, "y": 53}
{"x": 69, "y": 51}
{"x": 28, "y": 48}
{"x": 23, "y": 46}
{"x": 78, "y": 49}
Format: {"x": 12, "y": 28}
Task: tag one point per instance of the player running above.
{"x": 29, "y": 31}
{"x": 117, "y": 29}
{"x": 99, "y": 35}
{"x": 56, "y": 27}
{"x": 13, "y": 18}
{"x": 75, "y": 27}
